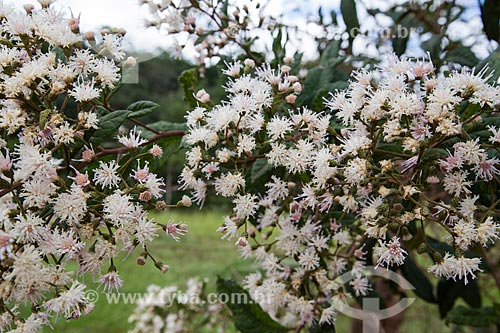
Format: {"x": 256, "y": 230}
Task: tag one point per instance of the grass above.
{"x": 202, "y": 253}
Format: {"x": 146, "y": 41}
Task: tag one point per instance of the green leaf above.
{"x": 108, "y": 125}
{"x": 278, "y": 50}
{"x": 60, "y": 55}
{"x": 142, "y": 108}
{"x": 166, "y": 126}
{"x": 492, "y": 63}
{"x": 433, "y": 46}
{"x": 170, "y": 146}
{"x": 448, "y": 291}
{"x": 423, "y": 287}
{"x": 330, "y": 52}
{"x": 462, "y": 55}
{"x": 490, "y": 15}
{"x": 483, "y": 317}
{"x": 259, "y": 170}
{"x": 350, "y": 16}
{"x": 322, "y": 328}
{"x": 188, "y": 80}
{"x": 399, "y": 45}
{"x": 249, "y": 317}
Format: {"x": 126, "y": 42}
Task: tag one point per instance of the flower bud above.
{"x": 184, "y": 202}
{"x": 285, "y": 69}
{"x": 202, "y": 96}
{"x": 249, "y": 63}
{"x": 145, "y": 196}
{"x": 156, "y": 151}
{"x": 290, "y": 99}
{"x": 45, "y": 3}
{"x": 297, "y": 87}
{"x": 141, "y": 260}
{"x": 162, "y": 267}
{"x": 130, "y": 62}
{"x": 29, "y": 8}
{"x": 242, "y": 242}
{"x": 90, "y": 37}
{"x": 74, "y": 25}
{"x": 161, "y": 205}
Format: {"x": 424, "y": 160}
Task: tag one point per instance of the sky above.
{"x": 129, "y": 15}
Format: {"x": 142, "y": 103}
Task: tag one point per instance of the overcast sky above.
{"x": 127, "y": 14}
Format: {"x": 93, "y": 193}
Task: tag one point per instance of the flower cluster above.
{"x": 210, "y": 29}
{"x": 171, "y": 310}
{"x": 63, "y": 203}
{"x": 402, "y": 159}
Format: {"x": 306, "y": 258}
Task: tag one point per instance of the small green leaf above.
{"x": 108, "y": 124}
{"x": 60, "y": 55}
{"x": 462, "y": 55}
{"x": 166, "y": 126}
{"x": 141, "y": 108}
{"x": 278, "y": 50}
{"x": 490, "y": 15}
{"x": 433, "y": 46}
{"x": 330, "y": 52}
{"x": 350, "y": 16}
{"x": 448, "y": 291}
{"x": 483, "y": 317}
{"x": 248, "y": 317}
{"x": 322, "y": 328}
{"x": 492, "y": 63}
{"x": 259, "y": 169}
{"x": 423, "y": 287}
{"x": 188, "y": 80}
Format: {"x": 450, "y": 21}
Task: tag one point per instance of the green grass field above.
{"x": 201, "y": 253}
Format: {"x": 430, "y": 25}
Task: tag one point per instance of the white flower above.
{"x": 154, "y": 184}
{"x": 71, "y": 206}
{"x": 175, "y": 230}
{"x": 309, "y": 259}
{"x": 456, "y": 183}
{"x": 133, "y": 140}
{"x": 229, "y": 229}
{"x": 245, "y": 206}
{"x": 229, "y": 184}
{"x": 389, "y": 253}
{"x": 277, "y": 128}
{"x": 69, "y": 302}
{"x": 84, "y": 91}
{"x": 487, "y": 231}
{"x": 451, "y": 267}
{"x": 361, "y": 285}
{"x": 111, "y": 43}
{"x": 106, "y": 175}
{"x": 356, "y": 170}
{"x": 118, "y": 208}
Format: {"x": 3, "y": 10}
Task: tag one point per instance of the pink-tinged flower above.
{"x": 111, "y": 280}
{"x": 389, "y": 253}
{"x": 175, "y": 230}
{"x": 141, "y": 174}
{"x": 5, "y": 164}
{"x": 156, "y": 151}
{"x": 80, "y": 179}
{"x": 6, "y": 241}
